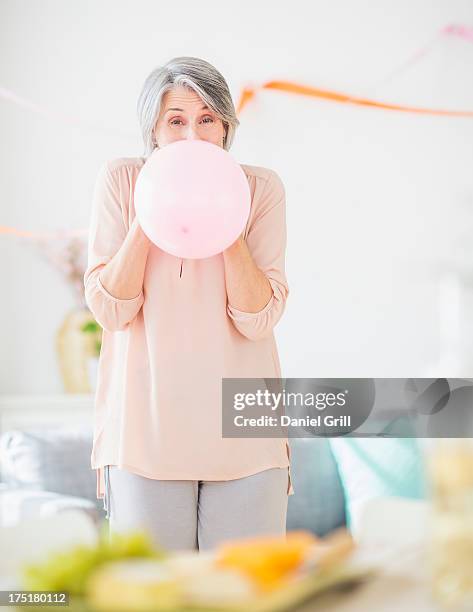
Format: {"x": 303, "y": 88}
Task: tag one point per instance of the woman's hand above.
{"x": 248, "y": 289}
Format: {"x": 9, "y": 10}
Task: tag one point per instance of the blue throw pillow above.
{"x": 378, "y": 467}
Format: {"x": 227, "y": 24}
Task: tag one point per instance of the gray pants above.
{"x": 196, "y": 514}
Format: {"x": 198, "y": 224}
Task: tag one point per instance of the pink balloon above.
{"x": 192, "y": 199}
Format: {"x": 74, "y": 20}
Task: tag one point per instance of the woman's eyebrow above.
{"x": 181, "y": 110}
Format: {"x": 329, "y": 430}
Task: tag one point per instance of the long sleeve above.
{"x": 107, "y": 231}
{"x": 266, "y": 242}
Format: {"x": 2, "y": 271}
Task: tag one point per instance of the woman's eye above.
{"x": 178, "y": 121}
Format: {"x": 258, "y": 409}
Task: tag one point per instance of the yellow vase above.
{"x": 74, "y": 348}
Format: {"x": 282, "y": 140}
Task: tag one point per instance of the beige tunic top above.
{"x": 158, "y": 408}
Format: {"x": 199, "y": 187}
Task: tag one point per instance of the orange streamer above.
{"x": 305, "y": 90}
{"x": 41, "y": 235}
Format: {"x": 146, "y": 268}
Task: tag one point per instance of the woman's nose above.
{"x": 191, "y": 134}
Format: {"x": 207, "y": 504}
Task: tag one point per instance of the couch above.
{"x": 45, "y": 471}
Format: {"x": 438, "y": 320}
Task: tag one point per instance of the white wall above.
{"x": 379, "y": 203}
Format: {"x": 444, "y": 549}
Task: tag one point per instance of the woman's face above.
{"x": 184, "y": 116}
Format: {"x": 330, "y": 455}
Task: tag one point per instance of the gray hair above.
{"x": 192, "y": 72}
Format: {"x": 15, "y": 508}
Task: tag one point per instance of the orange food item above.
{"x": 267, "y": 560}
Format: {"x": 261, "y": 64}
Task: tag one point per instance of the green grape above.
{"x": 69, "y": 570}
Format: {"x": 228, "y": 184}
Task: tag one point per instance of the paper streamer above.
{"x": 11, "y": 96}
{"x": 452, "y": 30}
{"x": 12, "y": 231}
{"x": 462, "y": 31}
{"x": 456, "y": 30}
{"x": 306, "y": 90}
{"x": 246, "y": 95}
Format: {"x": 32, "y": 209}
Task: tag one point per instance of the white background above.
{"x": 379, "y": 203}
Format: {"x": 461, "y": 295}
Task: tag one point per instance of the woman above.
{"x": 173, "y": 328}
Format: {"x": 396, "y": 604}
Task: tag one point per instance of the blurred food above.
{"x": 126, "y": 573}
{"x": 205, "y": 583}
{"x": 134, "y": 585}
{"x": 69, "y": 570}
{"x": 268, "y": 560}
{"x": 184, "y": 578}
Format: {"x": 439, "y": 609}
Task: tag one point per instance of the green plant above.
{"x": 93, "y": 328}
